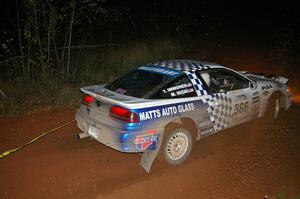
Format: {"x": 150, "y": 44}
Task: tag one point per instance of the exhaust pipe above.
{"x": 82, "y": 135}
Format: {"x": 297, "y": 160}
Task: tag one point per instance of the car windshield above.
{"x": 139, "y": 83}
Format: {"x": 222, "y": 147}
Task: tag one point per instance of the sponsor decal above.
{"x": 210, "y": 130}
{"x": 265, "y": 92}
{"x": 204, "y": 124}
{"x": 241, "y": 97}
{"x": 266, "y": 87}
{"x": 255, "y": 99}
{"x": 121, "y": 91}
{"x": 146, "y": 141}
{"x": 105, "y": 93}
{"x": 160, "y": 70}
{"x": 255, "y": 93}
{"x": 166, "y": 111}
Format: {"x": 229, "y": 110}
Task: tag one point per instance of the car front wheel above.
{"x": 277, "y": 108}
{"x": 273, "y": 110}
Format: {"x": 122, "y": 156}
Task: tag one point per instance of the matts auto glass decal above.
{"x": 164, "y": 111}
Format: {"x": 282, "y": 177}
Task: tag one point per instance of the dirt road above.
{"x": 249, "y": 161}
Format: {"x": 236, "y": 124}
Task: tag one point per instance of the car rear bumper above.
{"x": 121, "y": 140}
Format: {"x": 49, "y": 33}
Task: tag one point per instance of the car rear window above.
{"x": 139, "y": 83}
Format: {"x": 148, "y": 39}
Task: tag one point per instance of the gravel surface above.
{"x": 249, "y": 161}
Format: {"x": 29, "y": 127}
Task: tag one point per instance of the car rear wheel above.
{"x": 177, "y": 146}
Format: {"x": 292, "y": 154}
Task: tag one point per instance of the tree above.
{"x": 45, "y": 29}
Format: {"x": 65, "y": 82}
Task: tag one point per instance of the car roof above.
{"x": 186, "y": 65}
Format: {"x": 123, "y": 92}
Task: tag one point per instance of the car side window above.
{"x": 220, "y": 80}
{"x": 178, "y": 88}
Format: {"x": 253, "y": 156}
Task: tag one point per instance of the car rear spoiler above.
{"x": 110, "y": 97}
{"x": 106, "y": 99}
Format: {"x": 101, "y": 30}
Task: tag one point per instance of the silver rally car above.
{"x": 163, "y": 107}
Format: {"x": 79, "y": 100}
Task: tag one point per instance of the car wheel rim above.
{"x": 276, "y": 109}
{"x": 177, "y": 146}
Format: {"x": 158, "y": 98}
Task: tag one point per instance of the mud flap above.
{"x": 148, "y": 157}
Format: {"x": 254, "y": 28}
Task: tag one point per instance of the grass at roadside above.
{"x": 99, "y": 65}
{"x": 20, "y": 102}
{"x": 88, "y": 66}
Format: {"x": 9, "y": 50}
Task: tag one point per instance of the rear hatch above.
{"x": 131, "y": 89}
{"x": 102, "y": 100}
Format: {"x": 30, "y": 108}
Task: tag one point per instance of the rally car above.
{"x": 163, "y": 107}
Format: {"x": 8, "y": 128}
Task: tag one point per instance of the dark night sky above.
{"x": 259, "y": 19}
{"x": 234, "y": 14}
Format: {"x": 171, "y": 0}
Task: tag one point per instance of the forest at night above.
{"x": 49, "y": 49}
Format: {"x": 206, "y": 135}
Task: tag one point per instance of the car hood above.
{"x": 256, "y": 77}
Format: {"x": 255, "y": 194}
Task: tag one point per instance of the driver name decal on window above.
{"x": 182, "y": 92}
{"x": 177, "y": 87}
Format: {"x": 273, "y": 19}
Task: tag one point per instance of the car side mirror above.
{"x": 252, "y": 85}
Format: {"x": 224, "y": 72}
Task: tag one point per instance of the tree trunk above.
{"x": 49, "y": 36}
{"x": 28, "y": 63}
{"x": 39, "y": 41}
{"x": 58, "y": 61}
{"x": 70, "y": 36}
{"x": 20, "y": 40}
{"x": 63, "y": 52}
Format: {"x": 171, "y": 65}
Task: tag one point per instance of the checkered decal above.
{"x": 182, "y": 65}
{"x": 188, "y": 66}
{"x": 200, "y": 90}
{"x": 220, "y": 110}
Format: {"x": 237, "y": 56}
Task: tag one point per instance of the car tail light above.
{"x": 87, "y": 100}
{"x": 123, "y": 114}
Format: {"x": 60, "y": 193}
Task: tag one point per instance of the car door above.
{"x": 228, "y": 96}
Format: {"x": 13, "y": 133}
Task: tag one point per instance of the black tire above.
{"x": 177, "y": 146}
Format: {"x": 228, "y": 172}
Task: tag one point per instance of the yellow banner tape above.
{"x": 10, "y": 151}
